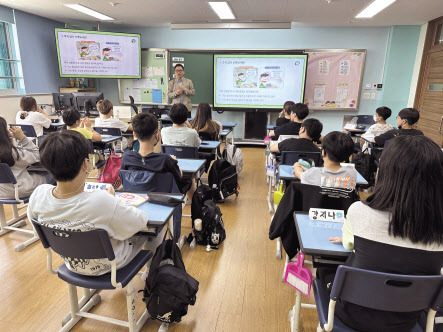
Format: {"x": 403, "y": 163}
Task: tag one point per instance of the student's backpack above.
{"x": 223, "y": 179}
{"x": 365, "y": 165}
{"x": 234, "y": 155}
{"x": 111, "y": 170}
{"x": 207, "y": 213}
{"x": 169, "y": 289}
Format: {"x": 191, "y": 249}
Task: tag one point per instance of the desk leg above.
{"x": 233, "y": 136}
{"x": 270, "y": 204}
{"x": 294, "y": 314}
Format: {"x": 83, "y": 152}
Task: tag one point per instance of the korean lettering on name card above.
{"x": 327, "y": 215}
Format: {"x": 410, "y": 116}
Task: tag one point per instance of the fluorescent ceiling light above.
{"x": 374, "y": 8}
{"x": 222, "y": 9}
{"x": 89, "y": 11}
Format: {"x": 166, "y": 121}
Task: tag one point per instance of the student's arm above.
{"x": 129, "y": 127}
{"x": 298, "y": 169}
{"x": 191, "y": 90}
{"x": 348, "y": 235}
{"x": 197, "y": 140}
{"x": 41, "y": 111}
{"x": 381, "y": 139}
{"x": 126, "y": 220}
{"x": 171, "y": 92}
{"x": 271, "y": 133}
{"x": 187, "y": 124}
{"x": 274, "y": 148}
{"x": 96, "y": 137}
{"x": 30, "y": 153}
{"x": 123, "y": 126}
{"x": 173, "y": 168}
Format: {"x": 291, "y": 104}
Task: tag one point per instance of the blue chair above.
{"x": 145, "y": 181}
{"x": 291, "y": 157}
{"x": 93, "y": 244}
{"x": 377, "y": 290}
{"x": 184, "y": 152}
{"x": 112, "y": 132}
{"x": 29, "y": 131}
{"x": 6, "y": 176}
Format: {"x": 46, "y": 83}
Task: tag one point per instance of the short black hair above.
{"x": 338, "y": 146}
{"x": 384, "y": 112}
{"x": 178, "y": 113}
{"x": 411, "y": 189}
{"x": 70, "y": 116}
{"x": 62, "y": 153}
{"x": 409, "y": 114}
{"x": 144, "y": 126}
{"x": 300, "y": 109}
{"x": 313, "y": 128}
{"x": 179, "y": 65}
{"x": 287, "y": 106}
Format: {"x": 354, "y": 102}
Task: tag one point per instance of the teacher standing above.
{"x": 180, "y": 89}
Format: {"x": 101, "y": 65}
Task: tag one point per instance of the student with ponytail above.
{"x": 32, "y": 114}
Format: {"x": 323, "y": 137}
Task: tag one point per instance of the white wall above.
{"x": 9, "y": 105}
{"x": 417, "y": 64}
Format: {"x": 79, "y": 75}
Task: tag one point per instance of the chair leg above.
{"x": 130, "y": 304}
{"x": 163, "y": 327}
{"x": 284, "y": 270}
{"x": 87, "y": 294}
{"x": 278, "y": 251}
{"x": 319, "y": 328}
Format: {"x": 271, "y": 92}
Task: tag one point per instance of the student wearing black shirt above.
{"x": 310, "y": 130}
{"x": 298, "y": 112}
{"x": 145, "y": 127}
{"x": 406, "y": 120}
{"x": 285, "y": 115}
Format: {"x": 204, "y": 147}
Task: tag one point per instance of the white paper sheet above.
{"x": 345, "y": 67}
{"x": 159, "y": 71}
{"x": 147, "y": 72}
{"x": 136, "y": 93}
{"x": 323, "y": 67}
{"x": 319, "y": 93}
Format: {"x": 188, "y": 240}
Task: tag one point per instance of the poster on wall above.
{"x": 333, "y": 79}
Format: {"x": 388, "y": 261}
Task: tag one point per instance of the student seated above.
{"x": 337, "y": 147}
{"x": 106, "y": 119}
{"x": 298, "y": 112}
{"x": 19, "y": 158}
{"x": 399, "y": 228}
{"x": 285, "y": 115}
{"x": 406, "y": 120}
{"x": 72, "y": 119}
{"x": 32, "y": 114}
{"x": 204, "y": 124}
{"x": 310, "y": 130}
{"x": 181, "y": 132}
{"x": 67, "y": 206}
{"x": 145, "y": 127}
{"x": 381, "y": 114}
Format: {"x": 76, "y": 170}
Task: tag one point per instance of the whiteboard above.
{"x": 334, "y": 79}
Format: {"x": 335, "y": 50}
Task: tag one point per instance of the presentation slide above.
{"x": 98, "y": 54}
{"x": 258, "y": 81}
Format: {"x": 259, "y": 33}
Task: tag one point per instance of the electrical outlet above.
{"x": 373, "y": 95}
{"x": 366, "y": 95}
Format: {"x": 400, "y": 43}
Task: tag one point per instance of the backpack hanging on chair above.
{"x": 169, "y": 289}
{"x": 111, "y": 171}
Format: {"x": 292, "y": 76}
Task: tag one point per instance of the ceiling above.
{"x": 160, "y": 13}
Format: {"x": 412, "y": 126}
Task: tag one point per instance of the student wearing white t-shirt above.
{"x": 32, "y": 114}
{"x": 337, "y": 147}
{"x": 181, "y": 132}
{"x": 381, "y": 114}
{"x": 106, "y": 119}
{"x": 67, "y": 206}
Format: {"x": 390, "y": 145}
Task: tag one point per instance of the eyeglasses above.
{"x": 179, "y": 70}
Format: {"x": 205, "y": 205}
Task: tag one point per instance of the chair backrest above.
{"x": 283, "y": 137}
{"x": 93, "y": 244}
{"x": 28, "y": 130}
{"x": 6, "y": 175}
{"x": 108, "y": 131}
{"x": 291, "y": 157}
{"x": 387, "y": 292}
{"x": 185, "y": 152}
{"x": 146, "y": 181}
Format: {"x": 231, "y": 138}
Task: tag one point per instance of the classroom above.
{"x": 215, "y": 166}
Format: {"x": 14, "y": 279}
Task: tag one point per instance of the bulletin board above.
{"x": 152, "y": 88}
{"x": 334, "y": 79}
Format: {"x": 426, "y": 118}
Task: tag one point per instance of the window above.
{"x": 11, "y": 80}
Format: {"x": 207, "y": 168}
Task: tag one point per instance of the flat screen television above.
{"x": 98, "y": 54}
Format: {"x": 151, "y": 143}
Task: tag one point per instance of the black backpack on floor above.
{"x": 224, "y": 179}
{"x": 203, "y": 207}
{"x": 365, "y": 165}
{"x": 169, "y": 289}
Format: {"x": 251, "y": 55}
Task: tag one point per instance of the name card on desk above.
{"x": 327, "y": 215}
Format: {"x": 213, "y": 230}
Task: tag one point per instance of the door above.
{"x": 431, "y": 101}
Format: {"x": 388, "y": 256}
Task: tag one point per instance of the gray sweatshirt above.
{"x": 27, "y": 182}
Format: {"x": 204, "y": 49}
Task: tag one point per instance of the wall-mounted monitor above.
{"x": 258, "y": 80}
{"x": 98, "y": 54}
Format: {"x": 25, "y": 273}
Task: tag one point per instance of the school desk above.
{"x": 224, "y": 134}
{"x": 313, "y": 236}
{"x": 191, "y": 166}
{"x": 285, "y": 173}
{"x": 270, "y": 127}
{"x": 230, "y": 126}
{"x": 209, "y": 145}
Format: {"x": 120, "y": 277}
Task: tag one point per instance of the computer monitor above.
{"x": 85, "y": 102}
{"x": 62, "y": 101}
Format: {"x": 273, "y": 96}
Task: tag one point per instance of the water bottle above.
{"x": 198, "y": 225}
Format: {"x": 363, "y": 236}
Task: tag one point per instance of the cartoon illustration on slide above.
{"x": 112, "y": 52}
{"x": 88, "y": 50}
{"x": 271, "y": 77}
{"x": 245, "y": 77}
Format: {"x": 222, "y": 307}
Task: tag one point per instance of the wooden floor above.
{"x": 240, "y": 284}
